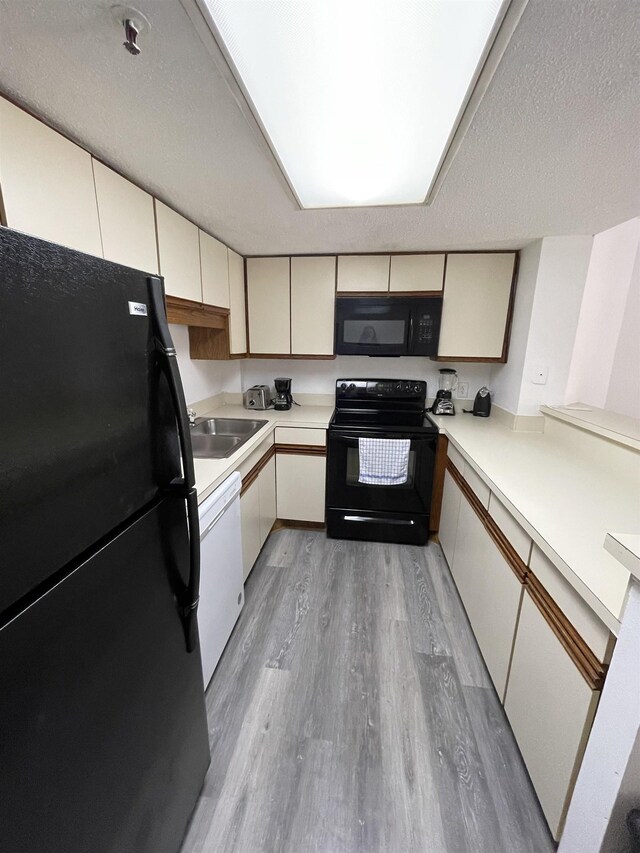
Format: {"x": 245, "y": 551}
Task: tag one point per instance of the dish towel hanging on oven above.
{"x": 384, "y": 461}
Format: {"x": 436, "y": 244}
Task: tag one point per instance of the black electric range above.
{"x": 381, "y": 409}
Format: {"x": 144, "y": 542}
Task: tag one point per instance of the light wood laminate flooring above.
{"x": 351, "y": 712}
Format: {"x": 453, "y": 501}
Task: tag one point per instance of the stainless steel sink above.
{"x": 217, "y": 438}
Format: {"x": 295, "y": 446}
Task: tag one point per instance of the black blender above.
{"x": 448, "y": 382}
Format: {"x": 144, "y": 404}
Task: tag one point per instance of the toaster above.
{"x": 257, "y": 397}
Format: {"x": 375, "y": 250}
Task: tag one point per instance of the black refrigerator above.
{"x": 103, "y": 734}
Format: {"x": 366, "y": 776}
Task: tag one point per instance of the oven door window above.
{"x": 353, "y": 472}
{"x": 345, "y": 491}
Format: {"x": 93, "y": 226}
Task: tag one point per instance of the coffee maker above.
{"x": 448, "y": 382}
{"x": 283, "y": 399}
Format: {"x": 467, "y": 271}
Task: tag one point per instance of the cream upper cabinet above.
{"x": 416, "y": 272}
{"x": 490, "y": 592}
{"x": 179, "y": 253}
{"x": 46, "y": 183}
{"x": 237, "y": 305}
{"x": 269, "y": 308}
{"x": 477, "y": 291}
{"x": 127, "y": 223}
{"x": 363, "y": 273}
{"x": 313, "y": 283}
{"x": 550, "y": 707}
{"x": 214, "y": 270}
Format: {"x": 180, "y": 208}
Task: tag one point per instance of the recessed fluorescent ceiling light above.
{"x": 358, "y": 98}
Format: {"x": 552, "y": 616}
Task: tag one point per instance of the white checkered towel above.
{"x": 384, "y": 461}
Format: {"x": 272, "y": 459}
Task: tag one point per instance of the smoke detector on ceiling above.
{"x": 134, "y": 24}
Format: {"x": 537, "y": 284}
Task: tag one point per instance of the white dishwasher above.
{"x": 221, "y": 583}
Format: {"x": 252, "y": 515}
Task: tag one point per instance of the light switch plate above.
{"x": 540, "y": 374}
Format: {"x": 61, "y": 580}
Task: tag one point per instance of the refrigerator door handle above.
{"x": 189, "y": 600}
{"x": 189, "y": 608}
{"x": 163, "y": 337}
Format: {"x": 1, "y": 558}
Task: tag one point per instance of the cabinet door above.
{"x": 179, "y": 253}
{"x": 490, "y": 592}
{"x": 267, "y": 489}
{"x": 416, "y": 272}
{"x": 363, "y": 273}
{"x": 268, "y": 295}
{"x": 550, "y": 708}
{"x": 127, "y": 223}
{"x": 47, "y": 183}
{"x": 300, "y": 487}
{"x": 448, "y": 529}
{"x": 237, "y": 305}
{"x": 250, "y": 521}
{"x": 477, "y": 290}
{"x": 214, "y": 271}
{"x": 313, "y": 299}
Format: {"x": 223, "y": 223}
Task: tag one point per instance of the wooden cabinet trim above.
{"x": 251, "y": 476}
{"x": 282, "y": 523}
{"x": 438, "y": 483}
{"x": 190, "y": 313}
{"x": 586, "y": 661}
{"x": 301, "y": 449}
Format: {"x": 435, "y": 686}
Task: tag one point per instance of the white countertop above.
{"x": 625, "y": 547}
{"x": 211, "y": 472}
{"x": 565, "y": 499}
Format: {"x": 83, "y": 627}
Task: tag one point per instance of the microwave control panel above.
{"x": 426, "y": 327}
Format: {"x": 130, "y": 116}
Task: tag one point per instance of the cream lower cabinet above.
{"x": 550, "y": 707}
{"x": 300, "y": 486}
{"x": 490, "y": 592}
{"x": 258, "y": 513}
{"x": 267, "y": 489}
{"x": 250, "y": 522}
{"x": 448, "y": 530}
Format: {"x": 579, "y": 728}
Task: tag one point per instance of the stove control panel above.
{"x": 381, "y": 389}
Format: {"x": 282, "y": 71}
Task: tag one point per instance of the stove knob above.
{"x": 416, "y": 388}
{"x": 343, "y": 386}
{"x": 398, "y": 386}
{"x": 407, "y": 388}
{"x": 352, "y": 387}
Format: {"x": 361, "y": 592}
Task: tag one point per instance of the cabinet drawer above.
{"x": 477, "y": 484}
{"x": 301, "y": 435}
{"x": 456, "y": 457}
{"x": 594, "y": 632}
{"x": 518, "y": 537}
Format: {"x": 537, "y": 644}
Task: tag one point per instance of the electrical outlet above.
{"x": 463, "y": 390}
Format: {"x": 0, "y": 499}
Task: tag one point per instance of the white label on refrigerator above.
{"x": 138, "y": 308}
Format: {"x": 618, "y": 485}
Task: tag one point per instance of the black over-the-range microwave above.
{"x": 391, "y": 325}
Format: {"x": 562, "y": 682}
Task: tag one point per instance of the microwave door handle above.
{"x": 410, "y": 340}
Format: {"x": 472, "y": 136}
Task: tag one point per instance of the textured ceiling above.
{"x": 553, "y": 147}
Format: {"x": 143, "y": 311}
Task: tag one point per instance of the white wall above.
{"x": 603, "y": 311}
{"x": 623, "y": 395}
{"x": 562, "y": 273}
{"x": 202, "y": 379}
{"x": 506, "y": 379}
{"x": 319, "y": 377}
